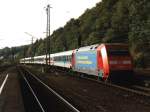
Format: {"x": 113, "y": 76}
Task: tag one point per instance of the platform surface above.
{"x": 10, "y": 92}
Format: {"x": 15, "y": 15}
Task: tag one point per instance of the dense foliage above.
{"x": 126, "y": 21}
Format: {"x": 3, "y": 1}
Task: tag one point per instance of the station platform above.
{"x": 10, "y": 92}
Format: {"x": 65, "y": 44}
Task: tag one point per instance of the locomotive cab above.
{"x": 117, "y": 62}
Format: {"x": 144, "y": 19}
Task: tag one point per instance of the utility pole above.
{"x": 48, "y": 46}
{"x": 24, "y": 54}
{"x": 12, "y": 55}
{"x": 32, "y": 53}
{"x": 46, "y": 43}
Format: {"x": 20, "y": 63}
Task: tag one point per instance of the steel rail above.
{"x": 54, "y": 92}
{"x": 40, "y": 105}
{"x": 34, "y": 94}
{"x": 120, "y": 87}
{"x": 141, "y": 87}
{"x": 116, "y": 86}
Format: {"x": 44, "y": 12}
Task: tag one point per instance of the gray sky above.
{"x": 19, "y": 16}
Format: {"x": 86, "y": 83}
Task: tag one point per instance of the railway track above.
{"x": 40, "y": 97}
{"x": 135, "y": 89}
{"x": 141, "y": 88}
{"x": 77, "y": 90}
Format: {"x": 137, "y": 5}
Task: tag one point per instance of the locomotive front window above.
{"x": 118, "y": 53}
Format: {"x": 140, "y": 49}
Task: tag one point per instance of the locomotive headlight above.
{"x": 113, "y": 62}
{"x": 127, "y": 62}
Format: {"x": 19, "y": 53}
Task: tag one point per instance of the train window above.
{"x": 96, "y": 47}
{"x": 118, "y": 52}
{"x": 67, "y": 58}
{"x": 61, "y": 58}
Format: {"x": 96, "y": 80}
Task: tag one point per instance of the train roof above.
{"x": 95, "y": 46}
{"x": 35, "y": 57}
{"x": 86, "y": 48}
{"x": 28, "y": 58}
{"x": 65, "y": 53}
{"x": 42, "y": 56}
{"x": 91, "y": 47}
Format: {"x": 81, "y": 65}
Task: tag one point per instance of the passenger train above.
{"x": 104, "y": 61}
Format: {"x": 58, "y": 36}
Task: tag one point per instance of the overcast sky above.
{"x": 19, "y": 16}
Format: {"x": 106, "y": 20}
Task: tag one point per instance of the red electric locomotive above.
{"x": 107, "y": 61}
